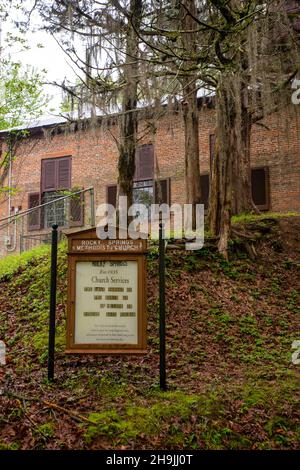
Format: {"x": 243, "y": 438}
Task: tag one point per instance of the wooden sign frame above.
{"x": 105, "y": 250}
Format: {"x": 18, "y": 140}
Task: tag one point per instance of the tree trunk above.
{"x": 192, "y": 166}
{"x": 129, "y": 122}
{"x": 190, "y": 113}
{"x": 221, "y": 193}
{"x": 242, "y": 194}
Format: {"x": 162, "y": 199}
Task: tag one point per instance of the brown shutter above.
{"x": 48, "y": 175}
{"x": 34, "y": 217}
{"x": 76, "y": 209}
{"x": 144, "y": 163}
{"x": 56, "y": 174}
{"x": 204, "y": 183}
{"x": 212, "y": 141}
{"x": 63, "y": 173}
{"x": 260, "y": 187}
{"x": 111, "y": 194}
{"x": 162, "y": 191}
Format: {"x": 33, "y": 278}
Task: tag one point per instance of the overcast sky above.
{"x": 50, "y": 57}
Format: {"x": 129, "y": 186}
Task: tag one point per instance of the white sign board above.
{"x": 106, "y": 302}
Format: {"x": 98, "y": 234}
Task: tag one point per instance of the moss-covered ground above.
{"x": 231, "y": 380}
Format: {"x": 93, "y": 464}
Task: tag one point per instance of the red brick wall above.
{"x": 94, "y": 157}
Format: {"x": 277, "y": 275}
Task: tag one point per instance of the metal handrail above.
{"x": 28, "y": 211}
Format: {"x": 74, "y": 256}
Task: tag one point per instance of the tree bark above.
{"x": 129, "y": 120}
{"x": 242, "y": 193}
{"x": 230, "y": 189}
{"x": 191, "y": 127}
{"x": 221, "y": 193}
{"x": 190, "y": 112}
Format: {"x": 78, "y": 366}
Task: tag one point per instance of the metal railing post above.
{"x": 162, "y": 309}
{"x": 92, "y": 202}
{"x": 21, "y": 235}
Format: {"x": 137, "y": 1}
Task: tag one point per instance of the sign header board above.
{"x": 107, "y": 246}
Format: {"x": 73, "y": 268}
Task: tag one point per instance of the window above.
{"x": 111, "y": 194}
{"x": 144, "y": 193}
{"x": 144, "y": 163}
{"x": 259, "y": 184}
{"x": 34, "y": 217}
{"x": 55, "y": 179}
{"x": 162, "y": 193}
{"x": 144, "y": 190}
{"x": 204, "y": 183}
{"x": 260, "y": 187}
{"x": 56, "y": 176}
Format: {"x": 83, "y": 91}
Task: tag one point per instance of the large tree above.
{"x": 100, "y": 38}
{"x": 190, "y": 106}
{"x": 245, "y": 52}
{"x": 257, "y": 69}
{"x": 129, "y": 119}
{"x": 194, "y": 53}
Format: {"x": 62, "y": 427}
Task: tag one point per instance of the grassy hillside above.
{"x": 230, "y": 327}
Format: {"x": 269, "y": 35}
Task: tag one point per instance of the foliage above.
{"x": 14, "y": 263}
{"x": 265, "y": 215}
{"x": 21, "y": 94}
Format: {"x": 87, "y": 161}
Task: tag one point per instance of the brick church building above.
{"x": 55, "y": 158}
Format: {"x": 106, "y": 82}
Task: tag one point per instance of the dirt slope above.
{"x": 230, "y": 327}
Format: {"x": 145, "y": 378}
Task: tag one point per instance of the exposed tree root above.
{"x": 50, "y": 405}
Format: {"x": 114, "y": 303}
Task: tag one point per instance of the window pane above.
{"x": 55, "y": 213}
{"x": 143, "y": 195}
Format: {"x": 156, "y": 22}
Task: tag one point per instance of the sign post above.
{"x": 51, "y": 343}
{"x": 162, "y": 310}
{"x": 106, "y": 294}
